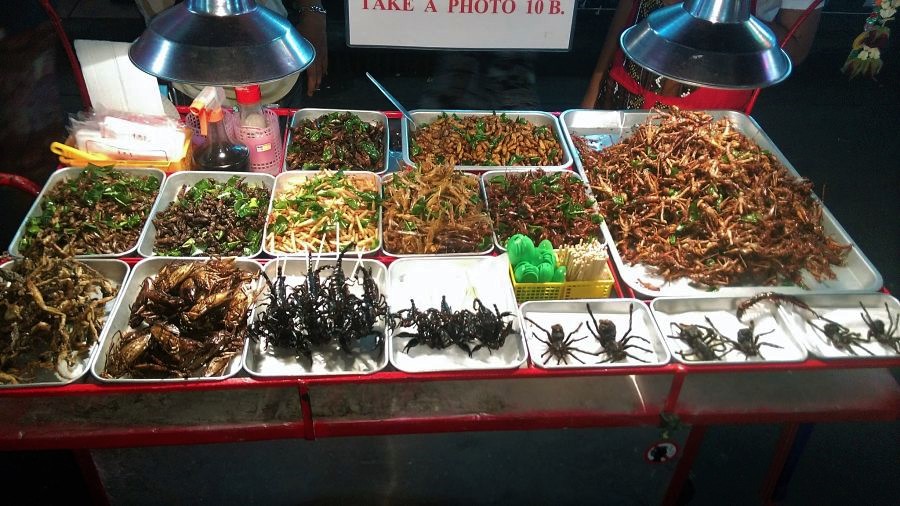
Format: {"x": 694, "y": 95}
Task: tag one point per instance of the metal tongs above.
{"x": 397, "y": 104}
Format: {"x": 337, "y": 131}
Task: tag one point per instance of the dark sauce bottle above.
{"x": 219, "y": 153}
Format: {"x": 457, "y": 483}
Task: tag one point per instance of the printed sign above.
{"x": 461, "y": 24}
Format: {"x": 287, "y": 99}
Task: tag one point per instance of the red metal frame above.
{"x": 782, "y": 450}
{"x": 20, "y": 183}
{"x": 310, "y": 428}
{"x": 684, "y": 465}
{"x": 133, "y": 437}
{"x": 91, "y": 476}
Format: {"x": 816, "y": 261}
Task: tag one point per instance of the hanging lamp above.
{"x": 712, "y": 43}
{"x": 220, "y": 42}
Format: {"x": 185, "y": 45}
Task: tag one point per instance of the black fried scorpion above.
{"x": 311, "y": 315}
{"x": 443, "y": 328}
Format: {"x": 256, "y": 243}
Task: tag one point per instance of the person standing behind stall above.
{"x": 618, "y": 83}
{"x": 311, "y": 26}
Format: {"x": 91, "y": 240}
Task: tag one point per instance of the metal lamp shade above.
{"x": 221, "y": 42}
{"x": 712, "y": 43}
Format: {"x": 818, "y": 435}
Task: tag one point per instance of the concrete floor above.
{"x": 841, "y": 134}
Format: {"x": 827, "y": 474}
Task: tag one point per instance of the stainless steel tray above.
{"x": 605, "y": 127}
{"x": 285, "y": 178}
{"x": 461, "y": 279}
{"x": 486, "y": 177}
{"x": 149, "y": 267}
{"x": 385, "y": 181}
{"x": 66, "y": 174}
{"x": 721, "y": 311}
{"x": 173, "y": 185}
{"x": 572, "y": 313}
{"x": 537, "y": 118}
{"x": 367, "y": 116}
{"x": 275, "y": 362}
{"x": 115, "y": 271}
{"x": 843, "y": 309}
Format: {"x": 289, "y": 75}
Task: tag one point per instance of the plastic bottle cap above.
{"x": 520, "y": 249}
{"x": 247, "y": 94}
{"x": 526, "y": 273}
{"x": 546, "y": 272}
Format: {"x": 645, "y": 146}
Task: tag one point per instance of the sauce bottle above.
{"x": 255, "y": 131}
{"x": 218, "y": 153}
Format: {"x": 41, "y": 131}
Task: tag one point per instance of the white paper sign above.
{"x": 461, "y": 24}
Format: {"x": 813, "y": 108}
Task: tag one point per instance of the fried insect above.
{"x": 443, "y": 328}
{"x": 336, "y": 141}
{"x": 101, "y": 210}
{"x": 320, "y": 311}
{"x": 604, "y": 331}
{"x": 777, "y": 298}
{"x": 556, "y": 204}
{"x": 213, "y": 218}
{"x": 877, "y": 330}
{"x": 703, "y": 342}
{"x": 52, "y": 312}
{"x": 747, "y": 341}
{"x": 559, "y": 345}
{"x": 187, "y": 321}
{"x": 840, "y": 336}
{"x": 487, "y": 140}
{"x": 693, "y": 197}
{"x": 309, "y": 214}
{"x": 434, "y": 209}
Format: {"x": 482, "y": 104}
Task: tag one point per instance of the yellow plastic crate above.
{"x": 70, "y": 156}
{"x": 599, "y": 289}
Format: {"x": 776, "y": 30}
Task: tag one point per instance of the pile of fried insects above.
{"x": 53, "y": 310}
{"x": 187, "y": 321}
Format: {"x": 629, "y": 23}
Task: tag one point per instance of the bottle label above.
{"x": 261, "y": 151}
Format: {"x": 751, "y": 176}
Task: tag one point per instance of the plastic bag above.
{"x": 128, "y": 136}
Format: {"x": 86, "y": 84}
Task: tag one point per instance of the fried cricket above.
{"x": 189, "y": 320}
{"x": 486, "y": 140}
{"x": 693, "y": 197}
{"x": 100, "y": 211}
{"x": 434, "y": 209}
